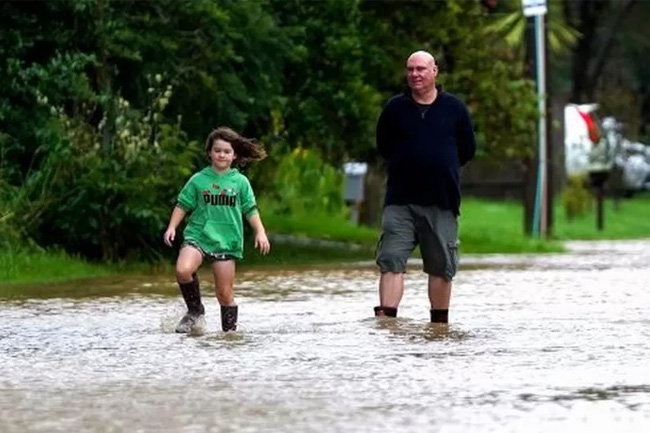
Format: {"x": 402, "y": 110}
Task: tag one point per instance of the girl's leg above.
{"x": 189, "y": 260}
{"x": 224, "y": 281}
{"x": 224, "y": 287}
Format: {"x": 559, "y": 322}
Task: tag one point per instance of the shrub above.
{"x": 576, "y": 197}
{"x": 302, "y": 183}
{"x": 112, "y": 183}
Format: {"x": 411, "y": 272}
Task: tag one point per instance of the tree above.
{"x": 598, "y": 22}
{"x": 327, "y": 101}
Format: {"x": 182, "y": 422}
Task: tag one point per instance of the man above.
{"x": 425, "y": 135}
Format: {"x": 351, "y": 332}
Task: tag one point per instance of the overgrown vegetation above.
{"x": 577, "y": 199}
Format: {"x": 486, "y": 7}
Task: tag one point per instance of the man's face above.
{"x": 421, "y": 73}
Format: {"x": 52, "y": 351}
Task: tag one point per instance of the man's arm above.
{"x": 383, "y": 136}
{"x": 466, "y": 138}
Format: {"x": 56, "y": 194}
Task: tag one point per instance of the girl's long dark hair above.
{"x": 247, "y": 149}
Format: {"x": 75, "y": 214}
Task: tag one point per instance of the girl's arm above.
{"x": 261, "y": 241}
{"x": 177, "y": 216}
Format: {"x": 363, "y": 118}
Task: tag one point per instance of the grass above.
{"x": 630, "y": 219}
{"x": 488, "y": 226}
{"x": 497, "y": 227}
{"x": 286, "y": 254}
{"x": 34, "y": 266}
{"x": 485, "y": 227}
{"x": 321, "y": 227}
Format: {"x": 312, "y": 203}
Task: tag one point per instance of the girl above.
{"x": 216, "y": 197}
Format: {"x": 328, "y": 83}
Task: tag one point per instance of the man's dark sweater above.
{"x": 424, "y": 149}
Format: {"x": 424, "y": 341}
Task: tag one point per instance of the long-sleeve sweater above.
{"x": 424, "y": 151}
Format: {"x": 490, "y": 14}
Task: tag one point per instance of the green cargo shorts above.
{"x": 406, "y": 226}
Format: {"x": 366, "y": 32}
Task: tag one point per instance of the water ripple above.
{"x": 536, "y": 343}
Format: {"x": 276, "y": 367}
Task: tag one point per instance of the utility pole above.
{"x": 538, "y": 9}
{"x": 550, "y": 145}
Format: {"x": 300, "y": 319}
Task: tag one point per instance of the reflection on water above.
{"x": 536, "y": 343}
{"x": 413, "y": 330}
{"x": 592, "y": 394}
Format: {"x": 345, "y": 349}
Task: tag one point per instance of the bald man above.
{"x": 426, "y": 136}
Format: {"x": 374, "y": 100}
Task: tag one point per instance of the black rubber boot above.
{"x": 385, "y": 311}
{"x": 229, "y": 318}
{"x": 192, "y": 295}
{"x": 439, "y": 316}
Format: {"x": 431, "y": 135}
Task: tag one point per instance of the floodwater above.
{"x": 536, "y": 344}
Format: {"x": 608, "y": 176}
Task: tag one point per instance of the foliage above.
{"x": 225, "y": 58}
{"x": 17, "y": 212}
{"x": 10, "y": 233}
{"x": 108, "y": 181}
{"x": 576, "y": 197}
{"x": 510, "y": 26}
{"x": 502, "y": 101}
{"x": 303, "y": 185}
{"x": 328, "y": 103}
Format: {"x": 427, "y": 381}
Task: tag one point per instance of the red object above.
{"x": 591, "y": 127}
{"x": 490, "y": 4}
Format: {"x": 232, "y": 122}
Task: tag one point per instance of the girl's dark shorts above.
{"x": 406, "y": 226}
{"x": 208, "y": 256}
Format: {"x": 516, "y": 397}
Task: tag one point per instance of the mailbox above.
{"x": 355, "y": 173}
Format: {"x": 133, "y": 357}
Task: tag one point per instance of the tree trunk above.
{"x": 592, "y": 52}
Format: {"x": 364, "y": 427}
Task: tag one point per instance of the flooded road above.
{"x": 536, "y": 344}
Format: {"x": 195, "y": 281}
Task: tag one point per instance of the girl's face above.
{"x": 222, "y": 155}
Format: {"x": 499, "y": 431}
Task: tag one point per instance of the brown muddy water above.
{"x": 537, "y": 344}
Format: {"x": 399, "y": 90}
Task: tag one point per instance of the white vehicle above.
{"x": 595, "y": 146}
{"x": 587, "y": 149}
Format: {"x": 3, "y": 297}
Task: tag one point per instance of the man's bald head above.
{"x": 421, "y": 72}
{"x": 424, "y": 56}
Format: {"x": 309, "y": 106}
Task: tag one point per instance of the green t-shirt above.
{"x": 216, "y": 203}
